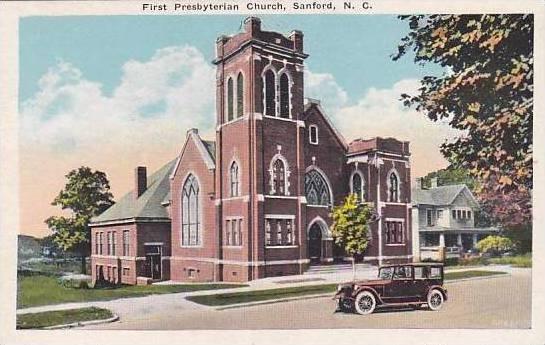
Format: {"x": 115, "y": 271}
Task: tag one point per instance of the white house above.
{"x": 444, "y": 216}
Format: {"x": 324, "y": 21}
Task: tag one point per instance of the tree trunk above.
{"x": 83, "y": 265}
{"x": 354, "y": 267}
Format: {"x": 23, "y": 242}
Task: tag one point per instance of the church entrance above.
{"x": 315, "y": 244}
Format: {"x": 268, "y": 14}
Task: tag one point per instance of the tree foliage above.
{"x": 486, "y": 91}
{"x": 351, "y": 225}
{"x": 451, "y": 176}
{"x": 85, "y": 195}
{"x": 495, "y": 245}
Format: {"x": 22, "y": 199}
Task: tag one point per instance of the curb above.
{"x": 452, "y": 281}
{"x": 272, "y": 301}
{"x": 115, "y": 317}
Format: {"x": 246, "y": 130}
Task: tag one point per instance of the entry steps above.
{"x": 337, "y": 268}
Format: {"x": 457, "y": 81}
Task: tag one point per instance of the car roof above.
{"x": 440, "y": 264}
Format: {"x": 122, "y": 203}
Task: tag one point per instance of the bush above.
{"x": 495, "y": 245}
{"x": 75, "y": 282}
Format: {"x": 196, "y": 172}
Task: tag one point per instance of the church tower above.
{"x": 259, "y": 155}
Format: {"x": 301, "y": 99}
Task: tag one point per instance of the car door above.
{"x": 420, "y": 282}
{"x": 401, "y": 288}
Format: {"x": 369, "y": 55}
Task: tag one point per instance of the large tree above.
{"x": 351, "y": 227}
{"x": 486, "y": 90}
{"x": 85, "y": 195}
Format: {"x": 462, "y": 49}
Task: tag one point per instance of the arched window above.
{"x": 278, "y": 178}
{"x": 240, "y": 95}
{"x": 230, "y": 112}
{"x": 270, "y": 93}
{"x": 284, "y": 96}
{"x": 316, "y": 189}
{"x": 393, "y": 187}
{"x": 235, "y": 183}
{"x": 191, "y": 223}
{"x": 357, "y": 186}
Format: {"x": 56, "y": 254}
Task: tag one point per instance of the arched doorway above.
{"x": 315, "y": 243}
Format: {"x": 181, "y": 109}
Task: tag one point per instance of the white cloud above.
{"x": 324, "y": 87}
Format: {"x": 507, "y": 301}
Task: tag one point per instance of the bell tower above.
{"x": 259, "y": 153}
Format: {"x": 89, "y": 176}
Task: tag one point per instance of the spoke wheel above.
{"x": 435, "y": 300}
{"x": 365, "y": 303}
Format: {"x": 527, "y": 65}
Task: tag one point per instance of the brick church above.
{"x": 255, "y": 202}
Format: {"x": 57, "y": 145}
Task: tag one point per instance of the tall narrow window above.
{"x": 393, "y": 188}
{"x": 268, "y": 241}
{"x": 284, "y": 96}
{"x": 190, "y": 213}
{"x": 279, "y": 172}
{"x": 126, "y": 243}
{"x": 114, "y": 242}
{"x": 228, "y": 232}
{"x": 313, "y": 134}
{"x": 235, "y": 183}
{"x": 289, "y": 232}
{"x": 270, "y": 93}
{"x": 109, "y": 243}
{"x": 235, "y": 232}
{"x": 239, "y": 230}
{"x": 96, "y": 243}
{"x": 101, "y": 243}
{"x": 230, "y": 112}
{"x": 240, "y": 95}
{"x": 357, "y": 186}
{"x": 278, "y": 232}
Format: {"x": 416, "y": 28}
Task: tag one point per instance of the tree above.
{"x": 86, "y": 194}
{"x": 495, "y": 245}
{"x": 450, "y": 176}
{"x": 486, "y": 90}
{"x": 350, "y": 229}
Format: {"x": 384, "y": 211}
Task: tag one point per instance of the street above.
{"x": 497, "y": 302}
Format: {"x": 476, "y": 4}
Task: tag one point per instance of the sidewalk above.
{"x": 139, "y": 307}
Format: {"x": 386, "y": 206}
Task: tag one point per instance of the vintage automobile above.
{"x": 414, "y": 284}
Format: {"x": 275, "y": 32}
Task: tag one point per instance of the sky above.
{"x": 114, "y": 92}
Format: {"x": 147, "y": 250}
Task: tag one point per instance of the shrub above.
{"x": 75, "y": 282}
{"x": 495, "y": 245}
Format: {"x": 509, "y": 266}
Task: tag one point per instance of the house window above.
{"x": 191, "y": 224}
{"x": 268, "y": 240}
{"x": 468, "y": 214}
{"x": 393, "y": 187}
{"x": 394, "y": 232}
{"x": 279, "y": 232}
{"x": 114, "y": 242}
{"x": 233, "y": 172}
{"x": 240, "y": 95}
{"x": 101, "y": 242}
{"x": 279, "y": 178}
{"x": 238, "y": 233}
{"x": 453, "y": 214}
{"x": 284, "y": 233}
{"x": 109, "y": 244}
{"x": 96, "y": 243}
{"x": 126, "y": 243}
{"x": 126, "y": 271}
{"x": 230, "y": 111}
{"x": 289, "y": 232}
{"x": 429, "y": 214}
{"x": 316, "y": 189}
{"x": 459, "y": 214}
{"x": 284, "y": 96}
{"x": 313, "y": 134}
{"x": 439, "y": 214}
{"x": 228, "y": 233}
{"x": 357, "y": 186}
{"x": 270, "y": 93}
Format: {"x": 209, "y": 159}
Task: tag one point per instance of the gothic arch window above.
{"x": 284, "y": 95}
{"x": 317, "y": 190}
{"x": 240, "y": 95}
{"x": 191, "y": 218}
{"x": 393, "y": 186}
{"x": 279, "y": 177}
{"x": 230, "y": 110}
{"x": 234, "y": 179}
{"x": 270, "y": 93}
{"x": 356, "y": 185}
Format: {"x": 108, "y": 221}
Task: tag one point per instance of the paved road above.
{"x": 499, "y": 302}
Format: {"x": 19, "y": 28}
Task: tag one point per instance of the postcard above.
{"x": 254, "y": 172}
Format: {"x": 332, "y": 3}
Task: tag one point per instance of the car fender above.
{"x": 440, "y": 288}
{"x": 370, "y": 289}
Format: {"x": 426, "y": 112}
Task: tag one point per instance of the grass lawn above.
{"x": 515, "y": 261}
{"x": 39, "y": 290}
{"x": 61, "y": 317}
{"x": 261, "y": 295}
{"x": 470, "y": 274}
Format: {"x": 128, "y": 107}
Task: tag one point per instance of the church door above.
{"x": 315, "y": 244}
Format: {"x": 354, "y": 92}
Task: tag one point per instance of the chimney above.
{"x": 296, "y": 37}
{"x": 252, "y": 25}
{"x": 141, "y": 181}
{"x": 433, "y": 182}
{"x": 420, "y": 183}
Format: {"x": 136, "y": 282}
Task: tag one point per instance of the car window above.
{"x": 435, "y": 273}
{"x": 403, "y": 272}
{"x": 419, "y": 272}
{"x": 385, "y": 273}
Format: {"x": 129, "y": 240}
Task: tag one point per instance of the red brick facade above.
{"x": 259, "y": 204}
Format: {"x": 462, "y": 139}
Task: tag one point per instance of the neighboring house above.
{"x": 444, "y": 216}
{"x": 255, "y": 202}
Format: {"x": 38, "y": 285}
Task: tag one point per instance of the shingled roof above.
{"x": 441, "y": 195}
{"x": 147, "y": 206}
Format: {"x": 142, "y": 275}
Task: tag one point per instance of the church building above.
{"x": 256, "y": 201}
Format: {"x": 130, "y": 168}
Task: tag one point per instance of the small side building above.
{"x": 444, "y": 216}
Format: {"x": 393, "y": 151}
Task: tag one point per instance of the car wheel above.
{"x": 365, "y": 303}
{"x": 435, "y": 299}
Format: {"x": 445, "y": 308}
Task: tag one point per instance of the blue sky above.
{"x": 354, "y": 49}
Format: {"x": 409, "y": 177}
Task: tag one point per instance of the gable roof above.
{"x": 206, "y": 148}
{"x": 146, "y": 206}
{"x": 441, "y": 195}
{"x": 338, "y": 135}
